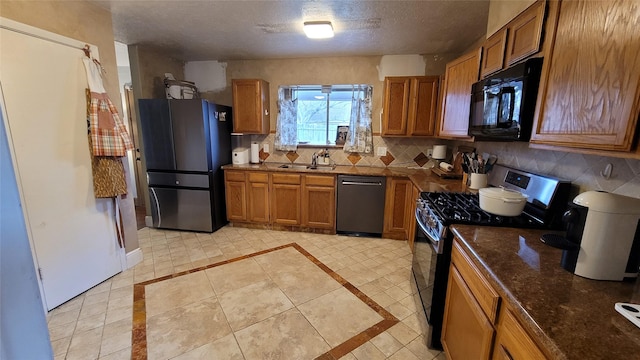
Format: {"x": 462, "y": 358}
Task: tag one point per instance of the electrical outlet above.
{"x": 430, "y": 152}
{"x": 381, "y": 151}
{"x": 265, "y": 148}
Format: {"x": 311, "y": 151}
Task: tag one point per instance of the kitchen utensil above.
{"x": 491, "y": 160}
{"x": 503, "y": 202}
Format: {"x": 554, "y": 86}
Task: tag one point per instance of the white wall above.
{"x": 401, "y": 65}
{"x": 208, "y": 75}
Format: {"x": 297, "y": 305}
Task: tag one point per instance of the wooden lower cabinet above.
{"x": 470, "y": 330}
{"x": 288, "y": 199}
{"x": 512, "y": 342}
{"x": 258, "y": 197}
{"x": 285, "y": 204}
{"x": 319, "y": 202}
{"x": 467, "y": 333}
{"x": 285, "y": 199}
{"x": 236, "y": 195}
{"x": 397, "y": 208}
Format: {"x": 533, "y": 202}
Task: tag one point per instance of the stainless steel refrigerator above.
{"x": 185, "y": 144}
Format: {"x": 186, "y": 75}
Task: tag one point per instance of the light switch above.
{"x": 381, "y": 151}
{"x": 265, "y": 148}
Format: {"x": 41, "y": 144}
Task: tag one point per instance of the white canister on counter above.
{"x": 477, "y": 181}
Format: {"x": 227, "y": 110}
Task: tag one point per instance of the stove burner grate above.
{"x": 465, "y": 208}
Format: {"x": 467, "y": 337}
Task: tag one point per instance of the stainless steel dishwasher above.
{"x": 360, "y": 209}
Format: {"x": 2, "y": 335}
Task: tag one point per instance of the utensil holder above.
{"x": 477, "y": 181}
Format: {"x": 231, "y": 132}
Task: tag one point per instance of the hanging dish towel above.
{"x": 108, "y": 176}
{"x": 108, "y": 138}
{"x": 108, "y": 134}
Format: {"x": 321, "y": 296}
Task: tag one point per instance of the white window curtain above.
{"x": 360, "y": 135}
{"x": 286, "y": 123}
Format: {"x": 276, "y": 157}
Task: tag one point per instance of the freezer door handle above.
{"x": 155, "y": 198}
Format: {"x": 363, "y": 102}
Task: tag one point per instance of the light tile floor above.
{"x": 240, "y": 303}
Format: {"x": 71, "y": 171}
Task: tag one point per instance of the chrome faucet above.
{"x": 314, "y": 160}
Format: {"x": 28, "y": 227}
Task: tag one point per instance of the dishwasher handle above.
{"x": 378, "y": 183}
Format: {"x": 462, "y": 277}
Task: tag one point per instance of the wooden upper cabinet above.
{"x": 525, "y": 33}
{"x": 410, "y": 106}
{"x": 460, "y": 74}
{"x": 590, "y": 86}
{"x": 396, "y": 105}
{"x": 519, "y": 39}
{"x": 422, "y": 106}
{"x": 493, "y": 53}
{"x": 250, "y": 106}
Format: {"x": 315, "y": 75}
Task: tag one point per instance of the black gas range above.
{"x": 436, "y": 211}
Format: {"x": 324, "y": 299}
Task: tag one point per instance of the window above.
{"x": 323, "y": 112}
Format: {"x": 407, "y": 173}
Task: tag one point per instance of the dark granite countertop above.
{"x": 573, "y": 317}
{"x": 424, "y": 179}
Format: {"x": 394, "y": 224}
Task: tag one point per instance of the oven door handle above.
{"x": 436, "y": 244}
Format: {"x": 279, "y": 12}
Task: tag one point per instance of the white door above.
{"x": 72, "y": 233}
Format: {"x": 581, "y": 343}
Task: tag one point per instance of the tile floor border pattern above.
{"x": 139, "y": 333}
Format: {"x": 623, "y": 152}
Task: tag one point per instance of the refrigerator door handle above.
{"x": 155, "y": 198}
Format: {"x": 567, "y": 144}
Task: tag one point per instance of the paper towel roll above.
{"x": 255, "y": 153}
{"x": 439, "y": 152}
{"x": 446, "y": 166}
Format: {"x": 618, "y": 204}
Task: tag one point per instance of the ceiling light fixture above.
{"x": 318, "y": 29}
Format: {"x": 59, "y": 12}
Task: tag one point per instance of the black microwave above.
{"x": 503, "y": 104}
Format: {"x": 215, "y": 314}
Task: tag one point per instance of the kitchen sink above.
{"x": 295, "y": 167}
{"x": 306, "y": 167}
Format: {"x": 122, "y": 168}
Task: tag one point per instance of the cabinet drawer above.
{"x": 286, "y": 179}
{"x": 480, "y": 288}
{"x": 318, "y": 180}
{"x": 514, "y": 342}
{"x": 261, "y": 177}
{"x": 234, "y": 175}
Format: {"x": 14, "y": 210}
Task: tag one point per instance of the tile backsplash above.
{"x": 584, "y": 171}
{"x": 401, "y": 152}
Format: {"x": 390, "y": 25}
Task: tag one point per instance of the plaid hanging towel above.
{"x": 108, "y": 134}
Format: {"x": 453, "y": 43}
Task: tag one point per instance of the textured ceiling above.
{"x": 268, "y": 29}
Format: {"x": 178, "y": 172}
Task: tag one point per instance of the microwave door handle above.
{"x": 512, "y": 100}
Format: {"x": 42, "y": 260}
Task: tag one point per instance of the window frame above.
{"x": 350, "y": 88}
